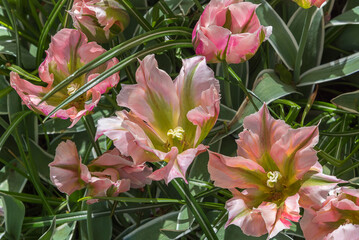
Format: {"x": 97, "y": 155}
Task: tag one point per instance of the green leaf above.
{"x": 282, "y": 39}
{"x": 64, "y": 231}
{"x": 226, "y": 113}
{"x": 14, "y": 212}
{"x": 23, "y": 73}
{"x": 152, "y": 229}
{"x": 185, "y": 219}
{"x": 99, "y": 228}
{"x": 39, "y": 222}
{"x": 41, "y": 160}
{"x": 4, "y": 85}
{"x": 11, "y": 180}
{"x": 5, "y": 91}
{"x": 48, "y": 235}
{"x": 330, "y": 71}
{"x": 348, "y": 101}
{"x": 313, "y": 50}
{"x": 349, "y": 17}
{"x": 16, "y": 121}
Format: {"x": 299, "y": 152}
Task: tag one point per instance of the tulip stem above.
{"x": 227, "y": 85}
{"x": 303, "y": 40}
{"x": 91, "y": 130}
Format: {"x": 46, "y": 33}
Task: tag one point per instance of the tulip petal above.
{"x": 294, "y": 153}
{"x": 244, "y": 18}
{"x": 261, "y": 132}
{"x": 153, "y": 98}
{"x": 315, "y": 190}
{"x": 67, "y": 172}
{"x": 198, "y": 92}
{"x": 250, "y": 221}
{"x": 231, "y": 172}
{"x": 177, "y": 164}
{"x": 347, "y": 231}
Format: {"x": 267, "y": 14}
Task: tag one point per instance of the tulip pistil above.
{"x": 273, "y": 178}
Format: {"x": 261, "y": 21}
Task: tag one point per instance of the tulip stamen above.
{"x": 273, "y": 178}
{"x": 72, "y": 88}
{"x": 176, "y": 133}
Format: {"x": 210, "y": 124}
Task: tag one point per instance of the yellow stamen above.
{"x": 72, "y": 88}
{"x": 273, "y": 178}
{"x": 176, "y": 133}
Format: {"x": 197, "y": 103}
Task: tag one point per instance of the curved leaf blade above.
{"x": 14, "y": 212}
{"x": 330, "y": 71}
{"x": 16, "y": 121}
{"x": 282, "y": 39}
{"x": 349, "y": 17}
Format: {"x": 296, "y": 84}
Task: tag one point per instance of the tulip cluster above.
{"x": 168, "y": 119}
{"x": 68, "y": 51}
{"x": 229, "y": 31}
{"x": 279, "y": 171}
{"x": 336, "y": 218}
{"x": 100, "y": 20}
{"x": 276, "y": 171}
{"x": 108, "y": 175}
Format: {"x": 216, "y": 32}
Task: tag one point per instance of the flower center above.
{"x": 176, "y": 133}
{"x": 72, "y": 88}
{"x": 273, "y": 178}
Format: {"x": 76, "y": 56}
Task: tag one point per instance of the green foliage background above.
{"x": 307, "y": 72}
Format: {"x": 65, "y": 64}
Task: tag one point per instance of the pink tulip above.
{"x": 108, "y": 175}
{"x": 336, "y": 218}
{"x": 277, "y": 166}
{"x": 229, "y": 31}
{"x": 68, "y": 51}
{"x": 168, "y": 120}
{"x": 126, "y": 169}
{"x": 67, "y": 172}
{"x": 310, "y": 3}
{"x": 100, "y": 20}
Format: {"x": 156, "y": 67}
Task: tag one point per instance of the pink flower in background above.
{"x": 336, "y": 218}
{"x": 109, "y": 175}
{"x": 100, "y": 20}
{"x": 278, "y": 168}
{"x": 68, "y": 51}
{"x": 168, "y": 119}
{"x": 229, "y": 30}
{"x": 310, "y": 3}
{"x": 138, "y": 174}
{"x": 67, "y": 172}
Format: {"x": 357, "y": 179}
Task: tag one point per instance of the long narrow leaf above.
{"x": 116, "y": 51}
{"x": 82, "y": 215}
{"x": 20, "y": 116}
{"x": 154, "y": 49}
